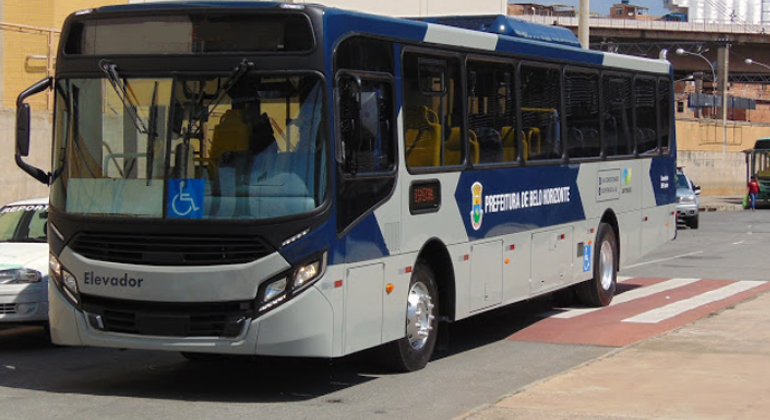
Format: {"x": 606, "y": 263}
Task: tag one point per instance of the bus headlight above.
{"x": 280, "y": 289}
{"x": 275, "y": 289}
{"x": 65, "y": 281}
{"x": 19, "y": 276}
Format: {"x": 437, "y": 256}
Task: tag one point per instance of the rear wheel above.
{"x": 599, "y": 290}
{"x": 413, "y": 351}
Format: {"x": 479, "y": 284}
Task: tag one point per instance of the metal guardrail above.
{"x": 658, "y": 25}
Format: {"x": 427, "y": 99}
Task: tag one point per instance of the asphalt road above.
{"x": 481, "y": 365}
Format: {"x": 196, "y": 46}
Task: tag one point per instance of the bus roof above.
{"x": 495, "y": 33}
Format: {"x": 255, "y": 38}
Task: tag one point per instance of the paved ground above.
{"x": 713, "y": 368}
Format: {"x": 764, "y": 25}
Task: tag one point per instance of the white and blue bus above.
{"x": 296, "y": 180}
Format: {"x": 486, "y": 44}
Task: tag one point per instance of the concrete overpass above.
{"x": 648, "y": 38}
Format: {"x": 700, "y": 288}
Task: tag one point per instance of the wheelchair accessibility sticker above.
{"x": 586, "y": 258}
{"x": 185, "y": 198}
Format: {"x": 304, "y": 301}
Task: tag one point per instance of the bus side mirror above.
{"x": 22, "y": 130}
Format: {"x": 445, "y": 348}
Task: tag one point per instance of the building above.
{"x": 626, "y": 10}
{"x": 518, "y": 9}
{"x": 722, "y": 11}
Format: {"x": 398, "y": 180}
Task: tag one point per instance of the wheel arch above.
{"x": 611, "y": 219}
{"x": 435, "y": 253}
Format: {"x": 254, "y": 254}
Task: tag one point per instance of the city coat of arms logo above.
{"x": 476, "y": 212}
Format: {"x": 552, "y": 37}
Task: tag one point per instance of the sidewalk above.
{"x": 715, "y": 368}
{"x": 721, "y": 203}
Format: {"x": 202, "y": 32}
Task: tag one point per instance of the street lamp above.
{"x": 681, "y": 51}
{"x": 750, "y": 61}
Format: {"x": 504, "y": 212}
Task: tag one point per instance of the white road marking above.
{"x": 664, "y": 259}
{"x": 671, "y": 310}
{"x": 738, "y": 243}
{"x": 628, "y": 296}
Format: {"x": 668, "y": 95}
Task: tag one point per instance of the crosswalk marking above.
{"x": 627, "y": 297}
{"x": 673, "y": 309}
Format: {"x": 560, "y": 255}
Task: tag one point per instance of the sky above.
{"x": 603, "y": 6}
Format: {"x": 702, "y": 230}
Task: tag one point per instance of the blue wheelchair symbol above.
{"x": 587, "y": 258}
{"x": 185, "y": 198}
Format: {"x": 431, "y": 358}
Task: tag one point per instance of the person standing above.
{"x": 753, "y": 191}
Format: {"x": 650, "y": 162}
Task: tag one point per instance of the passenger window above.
{"x": 433, "y": 116}
{"x": 540, "y": 112}
{"x": 582, "y": 114}
{"x": 618, "y": 115}
{"x": 645, "y": 131}
{"x": 492, "y": 111}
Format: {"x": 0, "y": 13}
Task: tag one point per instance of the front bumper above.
{"x": 686, "y": 211}
{"x": 302, "y": 327}
{"x": 26, "y": 303}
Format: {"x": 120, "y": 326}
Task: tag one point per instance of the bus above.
{"x": 298, "y": 180}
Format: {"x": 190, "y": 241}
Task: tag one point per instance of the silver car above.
{"x": 687, "y": 201}
{"x": 24, "y": 262}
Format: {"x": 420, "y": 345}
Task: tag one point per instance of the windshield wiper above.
{"x": 110, "y": 69}
{"x": 238, "y": 72}
{"x": 152, "y": 133}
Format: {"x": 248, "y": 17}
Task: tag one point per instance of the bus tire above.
{"x": 413, "y": 351}
{"x": 600, "y": 290}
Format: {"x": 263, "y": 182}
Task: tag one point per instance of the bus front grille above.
{"x": 169, "y": 250}
{"x": 215, "y": 319}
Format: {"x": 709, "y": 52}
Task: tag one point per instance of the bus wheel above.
{"x": 599, "y": 290}
{"x": 413, "y": 352}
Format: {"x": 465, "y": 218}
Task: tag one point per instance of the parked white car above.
{"x": 24, "y": 262}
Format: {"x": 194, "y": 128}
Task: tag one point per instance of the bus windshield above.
{"x": 235, "y": 146}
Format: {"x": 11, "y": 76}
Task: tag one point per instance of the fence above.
{"x": 28, "y": 55}
{"x": 657, "y": 25}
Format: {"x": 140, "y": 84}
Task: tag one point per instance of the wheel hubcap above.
{"x": 419, "y": 316}
{"x": 606, "y": 265}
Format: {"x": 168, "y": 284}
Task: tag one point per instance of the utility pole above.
{"x": 723, "y": 58}
{"x": 583, "y": 23}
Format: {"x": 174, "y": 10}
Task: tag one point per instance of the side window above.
{"x": 582, "y": 114}
{"x": 365, "y": 121}
{"x": 540, "y": 112}
{"x": 664, "y": 108}
{"x": 645, "y": 132}
{"x": 618, "y": 115}
{"x": 433, "y": 117}
{"x": 492, "y": 111}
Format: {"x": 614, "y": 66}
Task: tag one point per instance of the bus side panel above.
{"x": 516, "y": 267}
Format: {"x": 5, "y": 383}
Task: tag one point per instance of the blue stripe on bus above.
{"x": 338, "y": 23}
{"x": 549, "y": 51}
{"x": 662, "y": 177}
{"x": 513, "y": 200}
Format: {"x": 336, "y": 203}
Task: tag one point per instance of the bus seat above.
{"x": 533, "y": 132}
{"x": 453, "y": 152}
{"x": 423, "y": 143}
{"x": 509, "y": 144}
{"x": 490, "y": 145}
{"x": 231, "y": 134}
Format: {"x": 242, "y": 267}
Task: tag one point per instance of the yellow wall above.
{"x": 23, "y": 61}
{"x": 710, "y": 135}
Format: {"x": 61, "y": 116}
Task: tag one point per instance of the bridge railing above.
{"x": 658, "y": 25}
